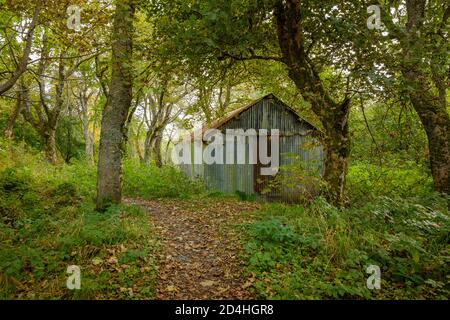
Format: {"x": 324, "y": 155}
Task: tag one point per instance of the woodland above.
{"x": 95, "y": 94}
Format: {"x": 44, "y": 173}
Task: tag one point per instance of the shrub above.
{"x": 320, "y": 252}
{"x": 12, "y": 181}
{"x": 367, "y": 182}
{"x": 151, "y": 182}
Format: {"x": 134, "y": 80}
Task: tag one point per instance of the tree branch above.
{"x": 21, "y": 68}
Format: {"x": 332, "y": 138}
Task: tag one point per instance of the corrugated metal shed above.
{"x": 298, "y": 140}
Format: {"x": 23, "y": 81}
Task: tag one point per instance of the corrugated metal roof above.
{"x": 217, "y": 124}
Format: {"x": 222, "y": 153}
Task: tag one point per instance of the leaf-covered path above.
{"x": 201, "y": 248}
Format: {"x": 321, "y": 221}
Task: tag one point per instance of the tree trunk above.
{"x": 15, "y": 113}
{"x": 148, "y": 145}
{"x": 50, "y": 144}
{"x": 89, "y": 149}
{"x": 137, "y": 145}
{"x": 337, "y": 149}
{"x": 436, "y": 121}
{"x": 430, "y": 106}
{"x": 157, "y": 150}
{"x": 83, "y": 99}
{"x": 437, "y": 127}
{"x": 23, "y": 63}
{"x": 334, "y": 116}
{"x": 109, "y": 179}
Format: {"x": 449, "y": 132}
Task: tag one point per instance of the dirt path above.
{"x": 200, "y": 248}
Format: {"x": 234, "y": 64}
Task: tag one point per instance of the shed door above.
{"x": 262, "y": 182}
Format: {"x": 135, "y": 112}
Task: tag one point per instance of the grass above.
{"x": 151, "y": 182}
{"x": 316, "y": 251}
{"x": 48, "y": 222}
{"x": 320, "y": 252}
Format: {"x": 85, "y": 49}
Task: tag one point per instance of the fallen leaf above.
{"x": 112, "y": 260}
{"x": 207, "y": 283}
{"x": 171, "y": 288}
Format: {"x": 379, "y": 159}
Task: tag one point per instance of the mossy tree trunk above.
{"x": 112, "y": 136}
{"x": 157, "y": 149}
{"x": 425, "y": 72}
{"x": 332, "y": 114}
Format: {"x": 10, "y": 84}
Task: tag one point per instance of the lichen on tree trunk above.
{"x": 112, "y": 137}
{"x": 426, "y": 83}
{"x": 50, "y": 145}
{"x": 157, "y": 150}
{"x": 436, "y": 122}
{"x": 337, "y": 148}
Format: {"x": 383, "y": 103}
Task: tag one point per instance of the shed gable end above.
{"x": 269, "y": 113}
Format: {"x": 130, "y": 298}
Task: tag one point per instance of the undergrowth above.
{"x": 150, "y": 182}
{"x": 48, "y": 222}
{"x": 321, "y": 252}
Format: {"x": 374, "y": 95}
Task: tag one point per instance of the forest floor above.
{"x": 201, "y": 256}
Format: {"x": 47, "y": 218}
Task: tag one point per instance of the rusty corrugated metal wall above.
{"x": 268, "y": 114}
